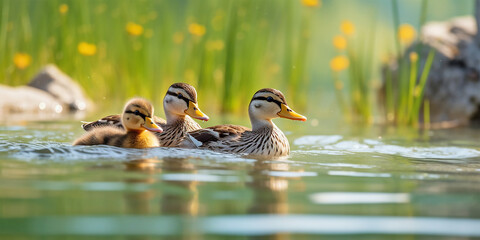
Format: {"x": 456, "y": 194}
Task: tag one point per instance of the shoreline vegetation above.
{"x": 226, "y": 49}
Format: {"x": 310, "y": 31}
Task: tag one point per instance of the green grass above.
{"x": 405, "y": 96}
{"x": 402, "y": 89}
{"x": 247, "y": 45}
{"x": 242, "y": 50}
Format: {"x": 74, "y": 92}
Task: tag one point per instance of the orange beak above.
{"x": 195, "y": 112}
{"x": 286, "y": 112}
{"x": 151, "y": 126}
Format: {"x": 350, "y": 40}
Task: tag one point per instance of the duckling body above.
{"x": 180, "y": 105}
{"x": 136, "y": 133}
{"x": 265, "y": 139}
{"x": 114, "y": 136}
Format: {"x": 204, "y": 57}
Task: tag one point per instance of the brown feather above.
{"x": 116, "y": 121}
{"x": 188, "y": 88}
{"x": 274, "y": 91}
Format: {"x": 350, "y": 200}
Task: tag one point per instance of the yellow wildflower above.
{"x": 385, "y": 59}
{"x": 10, "y": 26}
{"x": 339, "y": 63}
{"x": 339, "y": 42}
{"x": 87, "y": 49}
{"x": 417, "y": 91}
{"x": 178, "y": 37}
{"x": 347, "y": 28}
{"x": 63, "y": 8}
{"x": 311, "y": 3}
{"x": 357, "y": 95}
{"x": 22, "y": 60}
{"x": 149, "y": 33}
{"x": 413, "y": 57}
{"x": 134, "y": 29}
{"x": 152, "y": 16}
{"x": 406, "y": 33}
{"x": 196, "y": 29}
{"x": 338, "y": 85}
{"x": 215, "y": 45}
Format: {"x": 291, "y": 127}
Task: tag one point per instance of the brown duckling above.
{"x": 264, "y": 140}
{"x": 137, "y": 133}
{"x": 180, "y": 106}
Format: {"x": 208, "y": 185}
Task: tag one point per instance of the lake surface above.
{"x": 339, "y": 182}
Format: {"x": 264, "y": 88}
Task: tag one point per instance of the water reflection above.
{"x": 140, "y": 202}
{"x": 427, "y": 188}
{"x": 270, "y": 187}
{"x": 179, "y": 198}
{"x": 269, "y": 191}
{"x": 187, "y": 202}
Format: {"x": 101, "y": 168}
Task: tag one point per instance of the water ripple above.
{"x": 243, "y": 225}
{"x": 333, "y": 145}
{"x": 359, "y": 197}
{"x": 66, "y": 152}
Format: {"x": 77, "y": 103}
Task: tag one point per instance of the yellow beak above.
{"x": 194, "y": 112}
{"x": 150, "y": 125}
{"x": 286, "y": 112}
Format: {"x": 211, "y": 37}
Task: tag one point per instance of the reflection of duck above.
{"x": 143, "y": 165}
{"x": 139, "y": 202}
{"x": 270, "y": 192}
{"x": 265, "y": 138}
{"x": 174, "y": 203}
{"x": 179, "y": 196}
{"x": 179, "y": 103}
{"x": 136, "y": 119}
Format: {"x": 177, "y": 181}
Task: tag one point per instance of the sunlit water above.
{"x": 336, "y": 183}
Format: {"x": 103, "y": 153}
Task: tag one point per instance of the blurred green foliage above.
{"x": 227, "y": 49}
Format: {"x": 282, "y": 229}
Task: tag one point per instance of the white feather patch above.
{"x": 195, "y": 141}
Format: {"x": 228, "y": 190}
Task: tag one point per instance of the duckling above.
{"x": 138, "y": 124}
{"x": 265, "y": 139}
{"x": 180, "y": 106}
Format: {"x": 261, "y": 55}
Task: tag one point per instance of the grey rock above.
{"x": 27, "y": 103}
{"x": 61, "y": 87}
{"x": 453, "y": 85}
{"x": 50, "y": 95}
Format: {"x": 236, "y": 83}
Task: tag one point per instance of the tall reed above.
{"x": 118, "y": 49}
{"x": 404, "y": 98}
{"x": 358, "y": 52}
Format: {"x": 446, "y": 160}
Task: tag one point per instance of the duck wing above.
{"x": 115, "y": 121}
{"x": 216, "y": 133}
{"x": 112, "y": 120}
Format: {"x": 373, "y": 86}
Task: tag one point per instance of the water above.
{"x": 339, "y": 182}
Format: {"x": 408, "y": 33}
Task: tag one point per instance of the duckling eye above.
{"x": 136, "y": 112}
{"x": 269, "y": 99}
{"x": 179, "y": 95}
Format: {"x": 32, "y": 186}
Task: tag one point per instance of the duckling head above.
{"x": 269, "y": 103}
{"x": 137, "y": 116}
{"x": 181, "y": 100}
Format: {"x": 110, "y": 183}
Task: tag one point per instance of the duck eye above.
{"x": 136, "y": 112}
{"x": 179, "y": 95}
{"x": 269, "y": 99}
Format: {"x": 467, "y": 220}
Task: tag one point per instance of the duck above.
{"x": 180, "y": 106}
{"x": 137, "y": 132}
{"x": 265, "y": 139}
